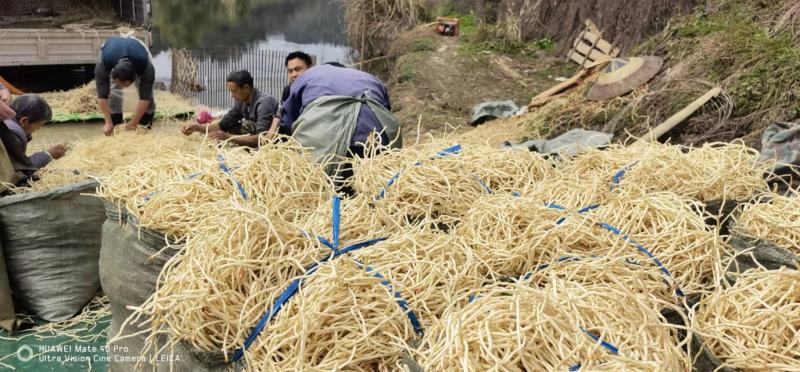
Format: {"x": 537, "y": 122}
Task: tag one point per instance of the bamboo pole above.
{"x": 680, "y": 116}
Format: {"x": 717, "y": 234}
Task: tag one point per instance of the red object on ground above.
{"x": 448, "y": 26}
{"x": 204, "y": 117}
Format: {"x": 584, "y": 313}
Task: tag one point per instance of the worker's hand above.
{"x": 219, "y": 135}
{"x": 131, "y": 126}
{"x": 108, "y": 128}
{"x": 57, "y": 151}
{"x": 5, "y": 96}
{"x": 189, "y": 129}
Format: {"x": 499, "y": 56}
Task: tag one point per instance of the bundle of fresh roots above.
{"x": 667, "y": 226}
{"x": 430, "y": 268}
{"x": 755, "y": 324}
{"x": 439, "y": 183}
{"x": 627, "y": 272}
{"x": 83, "y": 100}
{"x": 344, "y": 317}
{"x": 80, "y": 100}
{"x": 717, "y": 171}
{"x": 228, "y": 274}
{"x": 176, "y": 195}
{"x": 99, "y": 157}
{"x": 514, "y": 235}
{"x": 775, "y": 218}
{"x": 559, "y": 326}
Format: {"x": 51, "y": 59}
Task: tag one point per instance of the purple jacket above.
{"x": 39, "y": 159}
{"x": 326, "y": 80}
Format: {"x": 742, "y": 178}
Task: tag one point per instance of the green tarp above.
{"x": 62, "y": 117}
{"x": 43, "y": 352}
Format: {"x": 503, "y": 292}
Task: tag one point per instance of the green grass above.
{"x": 758, "y": 69}
{"x": 425, "y": 44}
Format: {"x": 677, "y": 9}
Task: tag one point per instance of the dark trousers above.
{"x": 346, "y": 173}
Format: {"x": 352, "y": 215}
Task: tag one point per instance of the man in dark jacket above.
{"x": 124, "y": 61}
{"x": 32, "y": 112}
{"x": 251, "y": 115}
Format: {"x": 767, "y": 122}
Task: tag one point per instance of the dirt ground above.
{"x": 437, "y": 82}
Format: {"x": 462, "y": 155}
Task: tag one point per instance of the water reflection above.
{"x": 215, "y": 27}
{"x": 246, "y": 23}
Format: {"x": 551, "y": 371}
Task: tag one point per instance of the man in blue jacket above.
{"x": 124, "y": 61}
{"x": 339, "y": 113}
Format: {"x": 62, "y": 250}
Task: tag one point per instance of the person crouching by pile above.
{"x": 252, "y": 114}
{"x": 32, "y": 112}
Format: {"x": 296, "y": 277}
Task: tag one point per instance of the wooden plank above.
{"x": 680, "y": 116}
{"x": 542, "y": 98}
{"x": 603, "y": 45}
{"x": 593, "y": 54}
{"x": 576, "y": 57}
{"x": 591, "y": 26}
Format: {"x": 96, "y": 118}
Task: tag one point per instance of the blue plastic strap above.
{"x": 448, "y": 151}
{"x": 484, "y": 186}
{"x": 326, "y": 243}
{"x": 575, "y": 368}
{"x": 284, "y": 297}
{"x": 398, "y": 298}
{"x": 295, "y": 285}
{"x": 151, "y": 194}
{"x": 223, "y": 167}
{"x": 588, "y": 209}
{"x": 618, "y": 177}
{"x": 642, "y": 249}
{"x": 607, "y": 345}
{"x": 620, "y": 174}
{"x": 337, "y": 218}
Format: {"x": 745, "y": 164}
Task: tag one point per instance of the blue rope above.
{"x": 336, "y": 220}
{"x": 642, "y": 249}
{"x": 588, "y": 209}
{"x": 607, "y": 345}
{"x": 294, "y": 286}
{"x": 224, "y": 168}
{"x": 151, "y": 194}
{"x": 397, "y": 297}
{"x": 448, "y": 151}
{"x": 484, "y": 186}
{"x": 287, "y": 294}
{"x": 625, "y": 237}
{"x": 575, "y": 368}
{"x": 620, "y": 174}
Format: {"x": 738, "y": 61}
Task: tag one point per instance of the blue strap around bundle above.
{"x": 607, "y": 345}
{"x": 448, "y": 151}
{"x": 397, "y": 296}
{"x": 620, "y": 174}
{"x": 151, "y": 194}
{"x": 644, "y": 250}
{"x": 224, "y": 168}
{"x": 294, "y": 286}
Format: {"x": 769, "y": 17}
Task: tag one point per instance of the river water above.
{"x": 313, "y": 26}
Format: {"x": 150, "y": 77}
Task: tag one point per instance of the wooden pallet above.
{"x": 590, "y": 47}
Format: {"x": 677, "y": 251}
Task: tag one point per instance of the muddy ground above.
{"x": 435, "y": 85}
